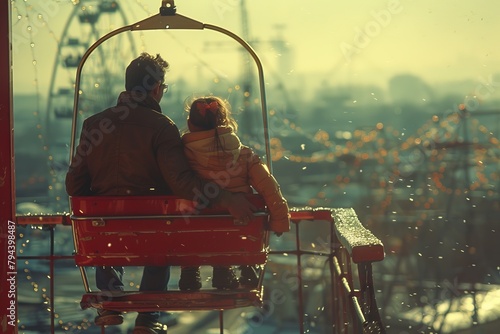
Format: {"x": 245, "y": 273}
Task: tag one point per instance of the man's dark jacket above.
{"x": 132, "y": 149}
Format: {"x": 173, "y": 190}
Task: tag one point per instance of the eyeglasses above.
{"x": 164, "y": 87}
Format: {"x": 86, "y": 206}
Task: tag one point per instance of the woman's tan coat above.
{"x": 236, "y": 168}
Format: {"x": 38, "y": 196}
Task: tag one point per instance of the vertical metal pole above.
{"x": 8, "y": 284}
{"x": 333, "y": 302}
{"x": 299, "y": 277}
{"x": 221, "y": 321}
{"x": 52, "y": 312}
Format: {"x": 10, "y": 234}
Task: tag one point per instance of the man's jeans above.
{"x": 153, "y": 279}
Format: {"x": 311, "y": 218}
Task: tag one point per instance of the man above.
{"x": 132, "y": 149}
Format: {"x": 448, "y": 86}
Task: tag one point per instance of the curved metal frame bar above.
{"x": 169, "y": 22}
{"x": 167, "y": 19}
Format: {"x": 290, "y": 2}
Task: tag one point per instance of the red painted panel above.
{"x": 8, "y": 313}
{"x": 109, "y": 237}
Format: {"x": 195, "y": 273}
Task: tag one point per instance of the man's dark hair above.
{"x": 145, "y": 72}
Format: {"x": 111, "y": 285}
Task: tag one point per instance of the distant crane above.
{"x": 248, "y": 117}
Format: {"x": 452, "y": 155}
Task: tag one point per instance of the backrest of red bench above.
{"x": 137, "y": 231}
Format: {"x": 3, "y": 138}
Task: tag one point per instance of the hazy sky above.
{"x": 339, "y": 41}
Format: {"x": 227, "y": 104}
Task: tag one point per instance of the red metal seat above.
{"x": 154, "y": 230}
{"x": 164, "y": 230}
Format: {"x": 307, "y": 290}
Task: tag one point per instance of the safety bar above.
{"x": 73, "y": 217}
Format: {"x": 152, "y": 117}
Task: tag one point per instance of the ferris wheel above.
{"x": 102, "y": 80}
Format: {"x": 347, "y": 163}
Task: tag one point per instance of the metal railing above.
{"x": 328, "y": 253}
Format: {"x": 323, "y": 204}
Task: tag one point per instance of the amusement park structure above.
{"x": 375, "y": 177}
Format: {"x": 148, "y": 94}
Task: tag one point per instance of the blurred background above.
{"x": 389, "y": 107}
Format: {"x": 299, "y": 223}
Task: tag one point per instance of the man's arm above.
{"x": 77, "y": 184}
{"x": 77, "y": 178}
{"x": 237, "y": 205}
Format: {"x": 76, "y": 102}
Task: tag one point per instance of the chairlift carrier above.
{"x": 152, "y": 230}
